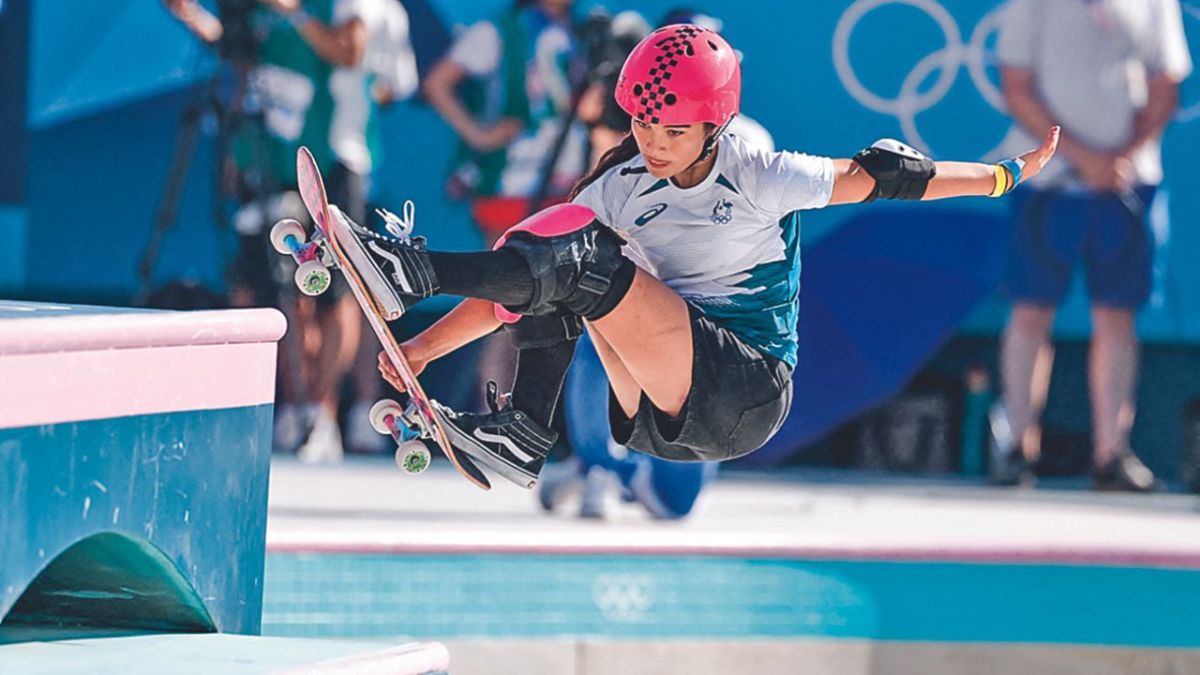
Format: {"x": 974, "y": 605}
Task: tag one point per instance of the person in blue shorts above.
{"x": 1108, "y": 71}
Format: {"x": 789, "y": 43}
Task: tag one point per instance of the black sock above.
{"x": 498, "y": 276}
{"x": 541, "y": 372}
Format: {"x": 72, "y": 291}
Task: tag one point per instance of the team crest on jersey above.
{"x": 722, "y": 212}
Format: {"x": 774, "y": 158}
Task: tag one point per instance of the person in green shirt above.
{"x": 505, "y": 87}
{"x": 315, "y": 78}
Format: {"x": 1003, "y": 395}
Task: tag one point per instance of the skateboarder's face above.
{"x": 669, "y": 150}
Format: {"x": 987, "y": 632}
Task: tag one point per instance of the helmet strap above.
{"x": 710, "y": 143}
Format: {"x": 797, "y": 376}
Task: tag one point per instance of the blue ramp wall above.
{"x": 134, "y": 458}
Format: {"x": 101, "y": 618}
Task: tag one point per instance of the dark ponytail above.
{"x": 626, "y": 150}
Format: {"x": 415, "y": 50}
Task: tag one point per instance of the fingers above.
{"x": 389, "y": 372}
{"x": 1051, "y": 142}
{"x": 1048, "y": 147}
{"x": 1036, "y": 159}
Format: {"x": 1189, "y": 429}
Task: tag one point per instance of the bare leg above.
{"x": 340, "y": 333}
{"x": 366, "y": 378}
{"x": 651, "y": 335}
{"x": 308, "y": 332}
{"x": 626, "y": 389}
{"x": 1026, "y": 359}
{"x": 1112, "y": 370}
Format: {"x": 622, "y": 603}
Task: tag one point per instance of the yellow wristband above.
{"x": 1001, "y": 181}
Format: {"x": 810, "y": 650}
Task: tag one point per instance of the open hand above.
{"x": 1036, "y": 159}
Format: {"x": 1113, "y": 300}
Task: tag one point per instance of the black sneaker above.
{"x": 395, "y": 268}
{"x": 1125, "y": 473}
{"x": 1007, "y": 465}
{"x": 505, "y": 439}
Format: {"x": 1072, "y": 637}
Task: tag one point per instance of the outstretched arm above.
{"x": 469, "y": 321}
{"x": 852, "y": 184}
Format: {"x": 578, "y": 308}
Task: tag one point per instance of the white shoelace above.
{"x": 400, "y": 227}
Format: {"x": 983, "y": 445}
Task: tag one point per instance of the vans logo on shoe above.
{"x": 397, "y": 278}
{"x": 506, "y": 442}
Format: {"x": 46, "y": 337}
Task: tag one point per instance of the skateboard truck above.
{"x": 312, "y": 274}
{"x": 404, "y": 424}
{"x": 416, "y": 426}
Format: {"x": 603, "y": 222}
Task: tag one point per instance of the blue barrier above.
{"x": 134, "y": 455}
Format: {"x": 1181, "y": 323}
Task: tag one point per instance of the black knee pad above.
{"x": 582, "y": 272}
{"x": 544, "y": 330}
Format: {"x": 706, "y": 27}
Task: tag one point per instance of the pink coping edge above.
{"x": 67, "y": 333}
{"x": 997, "y": 555}
{"x": 75, "y": 386}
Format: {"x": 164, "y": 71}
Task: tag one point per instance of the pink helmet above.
{"x": 681, "y": 74}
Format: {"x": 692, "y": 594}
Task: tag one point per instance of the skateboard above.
{"x": 412, "y": 425}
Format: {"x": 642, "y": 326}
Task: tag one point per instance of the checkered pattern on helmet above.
{"x": 654, "y": 94}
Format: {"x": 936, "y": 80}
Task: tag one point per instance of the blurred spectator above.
{"x": 1108, "y": 71}
{"x": 506, "y": 87}
{"x": 600, "y": 469}
{"x": 608, "y": 40}
{"x": 318, "y": 69}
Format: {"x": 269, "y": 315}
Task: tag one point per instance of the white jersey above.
{"x": 388, "y": 57}
{"x": 730, "y": 245}
{"x": 1091, "y": 62}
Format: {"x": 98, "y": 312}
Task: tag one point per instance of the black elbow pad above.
{"x": 900, "y": 172}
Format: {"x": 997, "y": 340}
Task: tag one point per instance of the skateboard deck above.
{"x": 330, "y": 227}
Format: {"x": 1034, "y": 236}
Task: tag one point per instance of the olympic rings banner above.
{"x": 830, "y": 77}
{"x": 824, "y": 77}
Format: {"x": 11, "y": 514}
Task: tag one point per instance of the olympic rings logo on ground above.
{"x": 946, "y": 61}
{"x": 624, "y": 598}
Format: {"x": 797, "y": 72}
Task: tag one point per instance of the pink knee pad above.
{"x": 549, "y": 222}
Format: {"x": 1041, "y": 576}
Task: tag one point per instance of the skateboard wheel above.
{"x": 312, "y": 278}
{"x": 379, "y": 413}
{"x": 412, "y": 457}
{"x": 279, "y": 234}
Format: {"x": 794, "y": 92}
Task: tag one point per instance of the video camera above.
{"x": 606, "y": 41}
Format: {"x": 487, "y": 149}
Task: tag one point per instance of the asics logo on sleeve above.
{"x": 650, "y": 214}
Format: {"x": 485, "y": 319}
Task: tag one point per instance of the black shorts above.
{"x": 738, "y": 400}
